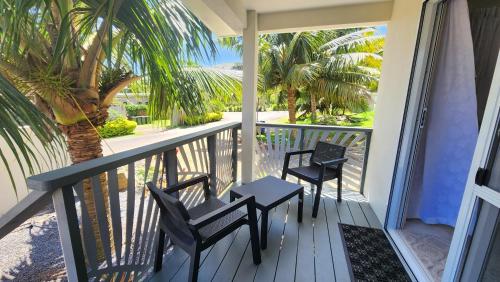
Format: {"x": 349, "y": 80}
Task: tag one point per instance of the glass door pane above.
{"x": 492, "y": 266}
{"x": 481, "y": 261}
{"x": 493, "y": 181}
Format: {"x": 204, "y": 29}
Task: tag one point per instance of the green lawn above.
{"x": 364, "y": 119}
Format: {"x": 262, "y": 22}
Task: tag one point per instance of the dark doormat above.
{"x": 370, "y": 256}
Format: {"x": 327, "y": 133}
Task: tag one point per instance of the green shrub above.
{"x": 234, "y": 108}
{"x": 216, "y": 106}
{"x": 279, "y": 107}
{"x": 117, "y": 127}
{"x": 136, "y": 109}
{"x": 201, "y": 119}
{"x": 210, "y": 117}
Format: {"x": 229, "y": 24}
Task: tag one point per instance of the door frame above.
{"x": 414, "y": 118}
{"x": 472, "y": 191}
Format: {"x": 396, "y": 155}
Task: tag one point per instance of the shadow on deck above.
{"x": 309, "y": 251}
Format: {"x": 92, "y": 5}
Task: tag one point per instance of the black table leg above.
{"x": 301, "y": 206}
{"x": 263, "y": 230}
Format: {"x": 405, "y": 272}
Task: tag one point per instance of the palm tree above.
{"x": 284, "y": 64}
{"x": 340, "y": 67}
{"x": 346, "y": 71}
{"x": 71, "y": 57}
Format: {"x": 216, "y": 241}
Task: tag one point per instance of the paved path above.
{"x": 149, "y": 135}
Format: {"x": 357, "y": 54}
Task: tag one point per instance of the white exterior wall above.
{"x": 396, "y": 68}
{"x": 8, "y": 197}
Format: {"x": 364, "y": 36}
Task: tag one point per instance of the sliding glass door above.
{"x": 475, "y": 249}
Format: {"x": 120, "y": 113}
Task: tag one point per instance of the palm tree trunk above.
{"x": 84, "y": 144}
{"x": 291, "y": 105}
{"x": 313, "y": 107}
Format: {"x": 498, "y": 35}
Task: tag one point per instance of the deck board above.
{"x": 307, "y": 251}
{"x": 339, "y": 258}
{"x": 322, "y": 247}
{"x": 304, "y": 270}
{"x": 267, "y": 269}
{"x": 370, "y": 215}
{"x": 285, "y": 270}
{"x": 357, "y": 214}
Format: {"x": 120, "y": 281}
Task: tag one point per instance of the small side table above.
{"x": 269, "y": 192}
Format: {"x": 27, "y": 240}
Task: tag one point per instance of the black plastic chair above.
{"x": 200, "y": 227}
{"x": 325, "y": 164}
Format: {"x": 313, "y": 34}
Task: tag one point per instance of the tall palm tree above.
{"x": 71, "y": 57}
{"x": 346, "y": 70}
{"x": 340, "y": 67}
{"x": 284, "y": 64}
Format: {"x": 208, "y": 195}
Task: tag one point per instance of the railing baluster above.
{"x": 365, "y": 162}
{"x": 301, "y": 143}
{"x": 89, "y": 240}
{"x": 212, "y": 148}
{"x": 114, "y": 200}
{"x": 145, "y": 233}
{"x": 69, "y": 233}
{"x": 234, "y": 154}
{"x": 171, "y": 162}
{"x": 102, "y": 216}
{"x": 128, "y": 245}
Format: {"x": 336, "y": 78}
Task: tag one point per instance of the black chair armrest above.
{"x": 299, "y": 152}
{"x": 286, "y": 163}
{"x": 326, "y": 164}
{"x": 334, "y": 162}
{"x": 221, "y": 212}
{"x": 189, "y": 183}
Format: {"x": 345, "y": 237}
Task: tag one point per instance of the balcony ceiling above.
{"x": 270, "y": 6}
{"x": 228, "y": 17}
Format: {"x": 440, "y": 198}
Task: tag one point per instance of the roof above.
{"x": 228, "y": 17}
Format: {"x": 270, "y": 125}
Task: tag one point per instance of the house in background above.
{"x": 425, "y": 178}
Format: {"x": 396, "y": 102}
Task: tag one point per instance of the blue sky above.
{"x": 230, "y": 56}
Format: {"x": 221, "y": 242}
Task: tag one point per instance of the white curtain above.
{"x": 446, "y": 149}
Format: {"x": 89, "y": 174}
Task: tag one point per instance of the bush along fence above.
{"x": 117, "y": 127}
{"x": 201, "y": 119}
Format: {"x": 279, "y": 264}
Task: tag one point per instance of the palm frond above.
{"x": 347, "y": 39}
{"x": 22, "y": 127}
{"x": 216, "y": 83}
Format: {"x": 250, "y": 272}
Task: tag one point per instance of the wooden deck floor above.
{"x": 309, "y": 251}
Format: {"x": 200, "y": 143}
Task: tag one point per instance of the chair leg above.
{"x": 339, "y": 188}
{"x": 283, "y": 174}
{"x": 317, "y": 199}
{"x": 254, "y": 233}
{"x": 194, "y": 264}
{"x": 159, "y": 251}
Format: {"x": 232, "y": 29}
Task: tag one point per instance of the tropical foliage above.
{"x": 201, "y": 119}
{"x": 71, "y": 57}
{"x": 326, "y": 70}
{"x": 16, "y": 111}
{"x": 117, "y": 127}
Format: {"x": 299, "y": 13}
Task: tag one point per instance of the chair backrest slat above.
{"x": 174, "y": 215}
{"x": 327, "y": 152}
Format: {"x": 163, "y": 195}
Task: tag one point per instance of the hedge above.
{"x": 201, "y": 119}
{"x": 136, "y": 109}
{"x": 117, "y": 127}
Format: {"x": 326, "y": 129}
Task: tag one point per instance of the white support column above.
{"x": 250, "y": 49}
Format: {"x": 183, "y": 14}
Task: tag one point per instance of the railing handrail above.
{"x": 70, "y": 175}
{"x": 318, "y": 127}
